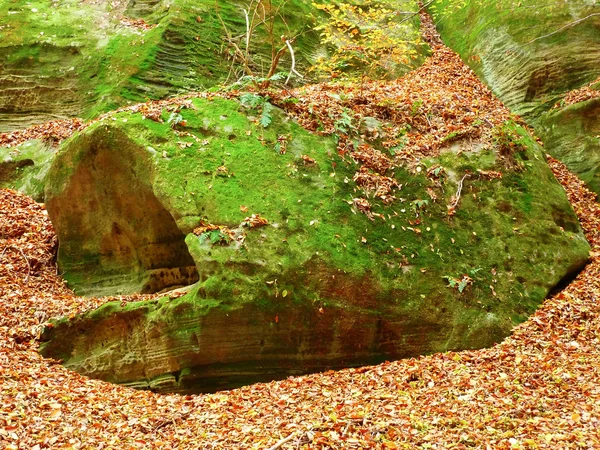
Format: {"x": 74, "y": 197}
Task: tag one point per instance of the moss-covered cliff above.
{"x": 532, "y": 55}
{"x": 79, "y": 59}
{"x": 529, "y": 54}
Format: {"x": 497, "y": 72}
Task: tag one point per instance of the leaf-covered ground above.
{"x": 540, "y": 388}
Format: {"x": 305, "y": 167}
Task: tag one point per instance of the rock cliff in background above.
{"x": 572, "y": 134}
{"x": 526, "y": 52}
{"x": 84, "y": 59}
{"x": 292, "y": 276}
{"x": 532, "y": 55}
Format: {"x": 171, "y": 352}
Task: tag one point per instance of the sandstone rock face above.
{"x": 319, "y": 286}
{"x": 571, "y": 135}
{"x": 531, "y": 67}
{"x": 115, "y": 234}
{"x": 529, "y": 55}
{"x": 81, "y": 60}
{"x": 43, "y": 54}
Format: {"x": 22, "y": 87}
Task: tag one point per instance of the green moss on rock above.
{"x": 24, "y": 167}
{"x": 528, "y": 53}
{"x": 572, "y": 134}
{"x": 283, "y": 298}
{"x": 82, "y": 60}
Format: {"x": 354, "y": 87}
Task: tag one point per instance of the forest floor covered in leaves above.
{"x": 540, "y": 388}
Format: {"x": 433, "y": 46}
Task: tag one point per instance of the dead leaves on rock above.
{"x": 582, "y": 94}
{"x": 51, "y": 132}
{"x": 537, "y": 389}
{"x": 409, "y": 119}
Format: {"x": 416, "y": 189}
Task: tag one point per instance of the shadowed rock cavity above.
{"x": 114, "y": 234}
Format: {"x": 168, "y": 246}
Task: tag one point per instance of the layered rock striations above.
{"x": 532, "y": 55}
{"x": 80, "y": 60}
{"x": 293, "y": 276}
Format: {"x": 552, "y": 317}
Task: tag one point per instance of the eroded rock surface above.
{"x": 532, "y": 55}
{"x": 529, "y": 54}
{"x": 572, "y": 134}
{"x": 320, "y": 284}
{"x": 82, "y": 59}
{"x": 116, "y": 237}
{"x": 25, "y": 167}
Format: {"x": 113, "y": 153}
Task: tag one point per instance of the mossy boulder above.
{"x": 532, "y": 55}
{"x": 318, "y": 284}
{"x": 529, "y": 54}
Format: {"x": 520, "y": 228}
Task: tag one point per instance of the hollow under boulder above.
{"x": 115, "y": 236}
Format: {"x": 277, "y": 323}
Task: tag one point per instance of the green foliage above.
{"x": 174, "y": 119}
{"x": 345, "y": 123}
{"x": 214, "y": 237}
{"x": 259, "y": 103}
{"x": 266, "y": 117}
{"x": 507, "y": 140}
{"x": 368, "y": 37}
{"x": 464, "y": 281}
{"x": 258, "y": 81}
{"x": 418, "y": 205}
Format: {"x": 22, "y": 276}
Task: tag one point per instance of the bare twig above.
{"x": 238, "y": 52}
{"x": 422, "y": 8}
{"x": 282, "y": 441}
{"x": 24, "y": 257}
{"x": 569, "y": 25}
{"x": 247, "y": 30}
{"x": 293, "y": 70}
{"x": 459, "y": 191}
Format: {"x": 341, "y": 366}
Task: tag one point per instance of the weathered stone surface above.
{"x": 188, "y": 346}
{"x": 116, "y": 237}
{"x": 322, "y": 286}
{"x": 527, "y": 53}
{"x": 80, "y": 60}
{"x": 24, "y": 167}
{"x": 572, "y": 134}
{"x": 531, "y": 67}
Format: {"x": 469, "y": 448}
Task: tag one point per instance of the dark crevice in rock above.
{"x": 565, "y": 281}
{"x": 9, "y": 169}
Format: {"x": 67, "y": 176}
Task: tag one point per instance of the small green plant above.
{"x": 415, "y": 107}
{"x": 215, "y": 237}
{"x": 259, "y": 103}
{"x": 507, "y": 140}
{"x": 462, "y": 283}
{"x": 175, "y": 119}
{"x": 508, "y": 143}
{"x": 345, "y": 124}
{"x": 418, "y": 205}
{"x": 253, "y": 80}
